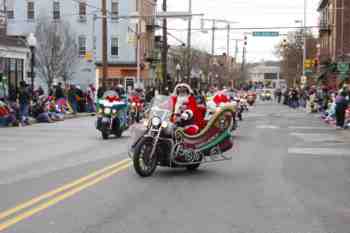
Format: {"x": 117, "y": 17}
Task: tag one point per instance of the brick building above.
{"x": 334, "y": 41}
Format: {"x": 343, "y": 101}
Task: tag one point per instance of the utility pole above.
{"x": 189, "y": 54}
{"x": 213, "y": 40}
{"x": 342, "y": 29}
{"x": 228, "y": 39}
{"x": 243, "y": 63}
{"x": 104, "y": 43}
{"x": 236, "y": 49}
{"x": 304, "y": 37}
{"x": 164, "y": 50}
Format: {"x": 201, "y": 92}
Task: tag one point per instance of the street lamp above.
{"x": 200, "y": 79}
{"x": 178, "y": 69}
{"x": 32, "y": 42}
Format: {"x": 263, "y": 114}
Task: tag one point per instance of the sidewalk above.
{"x": 344, "y": 133}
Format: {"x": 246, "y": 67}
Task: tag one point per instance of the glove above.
{"x": 185, "y": 116}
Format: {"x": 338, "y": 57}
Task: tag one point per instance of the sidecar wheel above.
{"x": 137, "y": 118}
{"x": 193, "y": 167}
{"x": 119, "y": 133}
{"x": 105, "y": 135}
{"x": 143, "y": 164}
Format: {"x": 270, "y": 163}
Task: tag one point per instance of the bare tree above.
{"x": 291, "y": 54}
{"x": 57, "y": 51}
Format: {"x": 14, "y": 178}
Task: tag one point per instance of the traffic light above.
{"x": 245, "y": 40}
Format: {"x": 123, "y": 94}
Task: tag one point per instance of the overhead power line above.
{"x": 241, "y": 28}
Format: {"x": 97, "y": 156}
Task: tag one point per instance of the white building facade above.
{"x": 269, "y": 75}
{"x": 84, "y": 17}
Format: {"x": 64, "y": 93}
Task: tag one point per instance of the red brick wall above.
{"x": 347, "y": 27}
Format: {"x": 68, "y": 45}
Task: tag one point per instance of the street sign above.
{"x": 266, "y": 34}
{"x": 308, "y": 63}
{"x": 88, "y": 56}
{"x": 343, "y": 68}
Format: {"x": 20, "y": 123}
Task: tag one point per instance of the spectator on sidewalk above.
{"x": 40, "y": 91}
{"x": 90, "y": 98}
{"x": 80, "y": 95}
{"x": 24, "y": 98}
{"x": 286, "y": 97}
{"x": 294, "y": 98}
{"x": 72, "y": 98}
{"x": 341, "y": 106}
{"x": 278, "y": 95}
{"x": 303, "y": 98}
{"x": 40, "y": 110}
{"x": 59, "y": 94}
{"x": 7, "y": 115}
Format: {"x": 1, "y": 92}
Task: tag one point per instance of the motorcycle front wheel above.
{"x": 105, "y": 135}
{"x": 144, "y": 163}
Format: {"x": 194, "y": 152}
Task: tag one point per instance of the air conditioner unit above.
{"x": 82, "y": 18}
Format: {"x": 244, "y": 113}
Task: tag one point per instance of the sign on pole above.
{"x": 266, "y": 34}
{"x": 343, "y": 68}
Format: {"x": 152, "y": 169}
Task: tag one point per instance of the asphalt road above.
{"x": 290, "y": 173}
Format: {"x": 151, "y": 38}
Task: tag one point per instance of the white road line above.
{"x": 319, "y": 151}
{"x": 317, "y": 137}
{"x": 310, "y": 127}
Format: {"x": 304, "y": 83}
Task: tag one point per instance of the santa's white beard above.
{"x": 179, "y": 102}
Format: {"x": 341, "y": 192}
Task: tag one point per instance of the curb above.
{"x": 32, "y": 121}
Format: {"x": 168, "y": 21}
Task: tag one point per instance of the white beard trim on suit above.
{"x": 180, "y": 100}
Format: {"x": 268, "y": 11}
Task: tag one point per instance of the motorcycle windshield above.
{"x": 160, "y": 107}
{"x": 110, "y": 94}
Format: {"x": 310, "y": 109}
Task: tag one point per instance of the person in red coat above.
{"x": 185, "y": 109}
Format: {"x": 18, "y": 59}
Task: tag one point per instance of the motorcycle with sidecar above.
{"x": 159, "y": 142}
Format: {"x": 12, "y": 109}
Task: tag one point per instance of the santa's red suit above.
{"x": 187, "y": 106}
{"x": 221, "y": 98}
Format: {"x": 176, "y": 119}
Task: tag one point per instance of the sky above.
{"x": 247, "y": 13}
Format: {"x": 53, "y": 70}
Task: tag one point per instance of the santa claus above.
{"x": 185, "y": 109}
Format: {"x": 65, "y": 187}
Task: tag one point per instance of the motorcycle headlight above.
{"x": 156, "y": 121}
{"x": 164, "y": 124}
{"x": 133, "y": 104}
{"x": 107, "y": 111}
{"x": 114, "y": 111}
{"x": 100, "y": 110}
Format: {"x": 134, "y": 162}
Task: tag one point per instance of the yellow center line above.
{"x": 59, "y": 198}
{"x": 58, "y": 190}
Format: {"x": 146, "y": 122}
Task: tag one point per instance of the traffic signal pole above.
{"x": 104, "y": 43}
{"x": 189, "y": 52}
{"x": 164, "y": 51}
